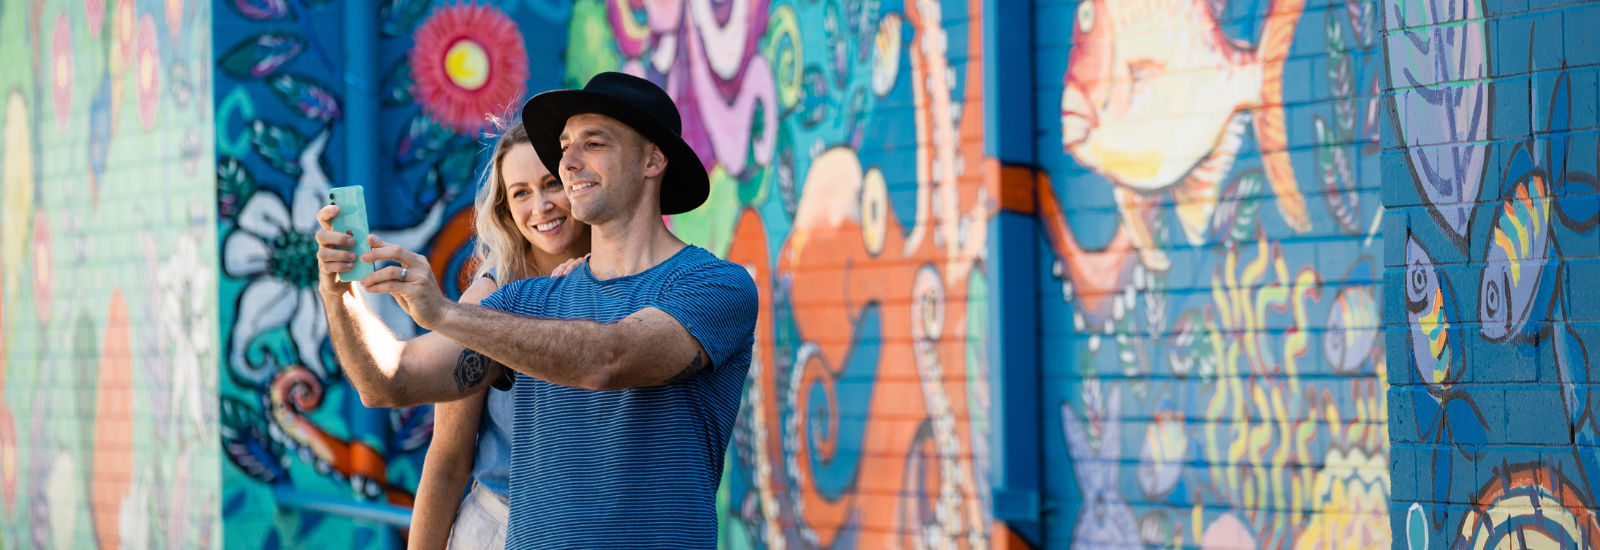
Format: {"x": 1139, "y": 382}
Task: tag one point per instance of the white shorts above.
{"x": 481, "y": 521}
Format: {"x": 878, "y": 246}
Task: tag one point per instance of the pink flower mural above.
{"x": 147, "y": 63}
{"x": 61, "y": 70}
{"x": 469, "y": 61}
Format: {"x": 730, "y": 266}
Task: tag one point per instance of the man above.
{"x": 630, "y": 368}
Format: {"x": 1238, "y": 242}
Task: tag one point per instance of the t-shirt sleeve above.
{"x": 517, "y": 297}
{"x": 498, "y": 299}
{"x": 718, "y": 307}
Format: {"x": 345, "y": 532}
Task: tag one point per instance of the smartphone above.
{"x": 352, "y": 220}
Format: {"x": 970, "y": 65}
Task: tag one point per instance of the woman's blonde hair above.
{"x": 501, "y": 247}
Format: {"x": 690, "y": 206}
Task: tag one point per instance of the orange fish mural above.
{"x": 1157, "y": 97}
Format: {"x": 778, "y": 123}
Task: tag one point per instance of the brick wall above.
{"x": 1213, "y": 368}
{"x": 845, "y": 145}
{"x": 1489, "y": 174}
{"x": 290, "y": 422}
{"x": 108, "y": 419}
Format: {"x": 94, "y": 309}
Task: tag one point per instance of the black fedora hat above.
{"x": 641, "y": 105}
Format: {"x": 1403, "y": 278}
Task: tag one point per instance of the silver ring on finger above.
{"x": 403, "y": 272}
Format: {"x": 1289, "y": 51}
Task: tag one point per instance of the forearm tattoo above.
{"x": 693, "y": 367}
{"x": 471, "y": 368}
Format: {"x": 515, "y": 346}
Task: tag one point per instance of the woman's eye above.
{"x": 519, "y": 194}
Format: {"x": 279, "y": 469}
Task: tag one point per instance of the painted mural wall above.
{"x": 108, "y": 410}
{"x": 288, "y": 419}
{"x": 1489, "y": 172}
{"x": 1212, "y": 356}
{"x": 845, "y": 147}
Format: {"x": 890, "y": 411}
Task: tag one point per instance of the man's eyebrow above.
{"x": 587, "y": 133}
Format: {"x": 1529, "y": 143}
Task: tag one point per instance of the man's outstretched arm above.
{"x": 647, "y": 348}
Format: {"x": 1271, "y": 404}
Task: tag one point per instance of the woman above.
{"x": 525, "y": 229}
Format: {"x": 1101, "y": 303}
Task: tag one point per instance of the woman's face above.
{"x": 538, "y": 202}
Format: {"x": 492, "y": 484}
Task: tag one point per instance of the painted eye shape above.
{"x": 1086, "y": 16}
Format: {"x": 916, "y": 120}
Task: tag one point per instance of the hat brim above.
{"x": 684, "y": 187}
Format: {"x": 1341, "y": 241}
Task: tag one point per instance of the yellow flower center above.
{"x": 467, "y": 64}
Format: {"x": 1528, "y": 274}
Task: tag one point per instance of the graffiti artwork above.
{"x": 864, "y": 226}
{"x": 107, "y": 283}
{"x": 288, "y": 419}
{"x": 1513, "y": 204}
{"x": 1215, "y": 352}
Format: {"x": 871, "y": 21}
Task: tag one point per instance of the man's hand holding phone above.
{"x": 335, "y": 256}
{"x": 410, "y": 281}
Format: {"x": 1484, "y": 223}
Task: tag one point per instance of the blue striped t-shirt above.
{"x": 633, "y": 468}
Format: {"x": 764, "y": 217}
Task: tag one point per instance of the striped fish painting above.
{"x": 1429, "y": 309}
{"x": 1514, "y": 259}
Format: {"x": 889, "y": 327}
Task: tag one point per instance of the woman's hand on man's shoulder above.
{"x": 568, "y": 266}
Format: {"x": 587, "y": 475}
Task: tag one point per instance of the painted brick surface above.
{"x": 1490, "y": 255}
{"x": 108, "y": 422}
{"x": 289, "y": 419}
{"x": 844, "y": 141}
{"x": 1214, "y": 364}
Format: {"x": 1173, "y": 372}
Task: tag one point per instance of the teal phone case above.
{"x": 352, "y": 219}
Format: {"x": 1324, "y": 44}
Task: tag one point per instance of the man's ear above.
{"x": 655, "y": 161}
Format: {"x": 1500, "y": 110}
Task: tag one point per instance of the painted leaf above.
{"x": 261, "y": 55}
{"x": 234, "y": 503}
{"x": 261, "y": 9}
{"x": 398, "y": 17}
{"x": 1337, "y": 178}
{"x": 278, "y": 145}
{"x": 1361, "y": 19}
{"x": 423, "y": 141}
{"x": 857, "y": 119}
{"x": 1369, "y": 121}
{"x": 245, "y": 441}
{"x": 181, "y": 84}
{"x": 1236, "y": 208}
{"x": 1341, "y": 77}
{"x": 234, "y": 186}
{"x": 306, "y": 97}
{"x": 397, "y": 85}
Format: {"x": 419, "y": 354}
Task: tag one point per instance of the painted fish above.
{"x": 1156, "y": 98}
{"x": 1352, "y": 329}
{"x": 1514, "y": 260}
{"x": 1428, "y": 309}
